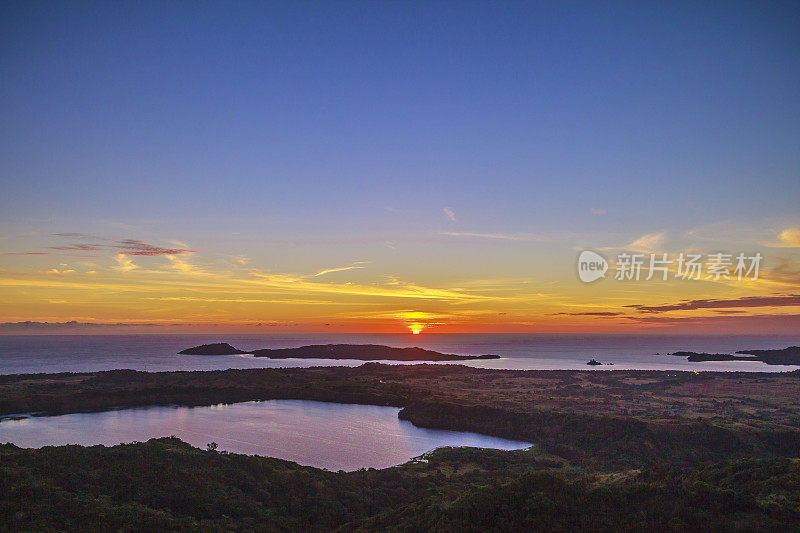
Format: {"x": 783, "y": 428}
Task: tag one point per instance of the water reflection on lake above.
{"x": 325, "y": 435}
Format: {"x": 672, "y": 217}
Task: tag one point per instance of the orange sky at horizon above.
{"x": 175, "y": 287}
{"x": 383, "y": 167}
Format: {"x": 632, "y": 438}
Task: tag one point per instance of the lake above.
{"x": 325, "y": 435}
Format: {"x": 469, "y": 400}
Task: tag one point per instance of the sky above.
{"x": 396, "y": 166}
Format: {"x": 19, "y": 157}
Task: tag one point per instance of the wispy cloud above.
{"x": 450, "y": 214}
{"x": 124, "y": 264}
{"x": 61, "y": 272}
{"x": 25, "y": 253}
{"x": 134, "y": 247}
{"x": 590, "y": 313}
{"x": 125, "y": 246}
{"x": 249, "y": 300}
{"x": 80, "y": 235}
{"x": 788, "y": 238}
{"x": 597, "y": 211}
{"x": 499, "y": 236}
{"x": 182, "y": 265}
{"x": 745, "y": 301}
{"x": 299, "y": 284}
{"x": 779, "y": 233}
{"x": 647, "y": 243}
{"x": 72, "y": 324}
{"x": 767, "y": 320}
{"x": 406, "y": 315}
{"x": 354, "y": 266}
{"x": 79, "y": 247}
{"x": 786, "y": 272}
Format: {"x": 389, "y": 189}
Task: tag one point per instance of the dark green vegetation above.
{"x": 613, "y": 450}
{"x": 165, "y": 484}
{"x": 786, "y": 356}
{"x": 219, "y": 348}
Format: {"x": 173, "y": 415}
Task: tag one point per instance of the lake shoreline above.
{"x": 594, "y": 433}
{"x": 82, "y": 392}
{"x": 709, "y": 410}
{"x": 319, "y": 434}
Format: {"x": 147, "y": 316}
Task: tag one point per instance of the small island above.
{"x": 698, "y": 357}
{"x": 786, "y": 356}
{"x": 594, "y": 362}
{"x": 219, "y": 348}
{"x": 363, "y": 352}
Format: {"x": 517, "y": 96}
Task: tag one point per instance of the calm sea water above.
{"x": 325, "y": 435}
{"x": 83, "y": 353}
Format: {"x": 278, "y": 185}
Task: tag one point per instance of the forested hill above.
{"x": 165, "y": 484}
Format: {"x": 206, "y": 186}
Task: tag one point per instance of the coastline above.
{"x": 672, "y": 413}
{"x": 654, "y": 429}
{"x": 91, "y": 353}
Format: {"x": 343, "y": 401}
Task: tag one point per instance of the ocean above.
{"x": 85, "y": 353}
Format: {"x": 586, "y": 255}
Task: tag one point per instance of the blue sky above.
{"x": 341, "y": 125}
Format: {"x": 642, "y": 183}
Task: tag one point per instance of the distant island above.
{"x": 220, "y": 348}
{"x": 364, "y": 352}
{"x": 698, "y": 357}
{"x": 786, "y": 356}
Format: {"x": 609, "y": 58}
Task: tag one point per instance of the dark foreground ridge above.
{"x": 167, "y": 485}
{"x": 786, "y": 356}
{"x": 364, "y": 352}
{"x": 613, "y": 451}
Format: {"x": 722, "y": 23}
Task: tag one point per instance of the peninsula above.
{"x": 786, "y": 356}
